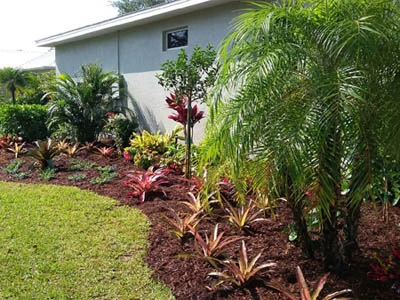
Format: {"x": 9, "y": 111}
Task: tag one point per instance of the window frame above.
{"x": 166, "y": 33}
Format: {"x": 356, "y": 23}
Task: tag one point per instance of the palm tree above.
{"x": 14, "y": 80}
{"x": 313, "y": 94}
{"x": 83, "y": 105}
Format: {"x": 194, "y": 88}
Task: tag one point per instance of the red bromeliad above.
{"x": 148, "y": 182}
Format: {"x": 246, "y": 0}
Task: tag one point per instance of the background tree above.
{"x": 313, "y": 94}
{"x": 83, "y": 106}
{"x": 36, "y": 87}
{"x": 14, "y": 81}
{"x": 127, "y": 6}
{"x": 189, "y": 80}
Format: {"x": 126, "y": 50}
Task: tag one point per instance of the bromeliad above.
{"x": 149, "y": 181}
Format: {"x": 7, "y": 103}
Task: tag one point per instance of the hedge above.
{"x": 26, "y": 121}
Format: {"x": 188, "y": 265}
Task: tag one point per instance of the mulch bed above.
{"x": 172, "y": 260}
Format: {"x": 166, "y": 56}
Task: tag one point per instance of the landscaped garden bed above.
{"x": 176, "y": 262}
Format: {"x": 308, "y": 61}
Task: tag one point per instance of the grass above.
{"x": 64, "y": 243}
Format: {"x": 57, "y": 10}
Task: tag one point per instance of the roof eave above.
{"x": 157, "y": 13}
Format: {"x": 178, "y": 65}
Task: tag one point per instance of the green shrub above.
{"x": 26, "y": 121}
{"x": 121, "y": 128}
{"x": 147, "y": 148}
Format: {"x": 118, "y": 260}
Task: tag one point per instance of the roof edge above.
{"x": 129, "y": 20}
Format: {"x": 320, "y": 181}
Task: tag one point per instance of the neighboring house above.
{"x": 136, "y": 44}
{"x": 28, "y": 59}
{"x": 43, "y": 63}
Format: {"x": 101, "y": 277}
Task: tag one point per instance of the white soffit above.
{"x": 154, "y": 14}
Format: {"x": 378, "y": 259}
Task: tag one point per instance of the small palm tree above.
{"x": 313, "y": 95}
{"x": 83, "y": 105}
{"x": 14, "y": 81}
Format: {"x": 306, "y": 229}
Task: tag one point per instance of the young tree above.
{"x": 14, "y": 81}
{"x": 189, "y": 80}
{"x": 127, "y": 6}
{"x": 313, "y": 94}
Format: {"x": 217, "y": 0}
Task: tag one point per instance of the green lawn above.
{"x": 64, "y": 243}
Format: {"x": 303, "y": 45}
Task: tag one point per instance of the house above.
{"x": 136, "y": 44}
{"x": 42, "y": 63}
{"x": 35, "y": 60}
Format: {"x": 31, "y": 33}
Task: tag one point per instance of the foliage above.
{"x": 13, "y": 169}
{"x": 70, "y": 150}
{"x": 147, "y": 182}
{"x": 121, "y": 128}
{"x": 239, "y": 273}
{"x": 77, "y": 177}
{"x": 17, "y": 148}
{"x": 77, "y": 165}
{"x": 199, "y": 203}
{"x": 312, "y": 90}
{"x": 146, "y": 148}
{"x": 106, "y": 151}
{"x": 84, "y": 105}
{"x": 103, "y": 178}
{"x": 243, "y": 216}
{"x": 305, "y": 293}
{"x": 14, "y": 81}
{"x": 127, "y": 6}
{"x": 190, "y": 77}
{"x": 386, "y": 185}
{"x": 388, "y": 270}
{"x": 182, "y": 225}
{"x": 107, "y": 174}
{"x": 26, "y": 121}
{"x": 47, "y": 173}
{"x": 212, "y": 247}
{"x": 36, "y": 87}
{"x": 89, "y": 147}
{"x": 54, "y": 231}
{"x": 45, "y": 152}
{"x": 5, "y": 142}
{"x": 179, "y": 105}
{"x": 189, "y": 80}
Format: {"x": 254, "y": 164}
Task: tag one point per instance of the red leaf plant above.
{"x": 179, "y": 104}
{"x": 386, "y": 270}
{"x": 149, "y": 181}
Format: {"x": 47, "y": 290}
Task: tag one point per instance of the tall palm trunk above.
{"x": 330, "y": 163}
{"x": 300, "y": 223}
{"x": 350, "y": 230}
{"x": 13, "y": 90}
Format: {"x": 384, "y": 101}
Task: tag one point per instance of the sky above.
{"x": 22, "y": 22}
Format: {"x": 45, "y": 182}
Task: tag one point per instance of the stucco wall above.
{"x": 137, "y": 54}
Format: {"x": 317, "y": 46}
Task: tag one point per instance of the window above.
{"x": 175, "y": 38}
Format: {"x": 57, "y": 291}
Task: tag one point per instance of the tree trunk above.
{"x": 12, "y": 90}
{"x": 332, "y": 258}
{"x": 300, "y": 226}
{"x": 350, "y": 230}
{"x": 188, "y": 139}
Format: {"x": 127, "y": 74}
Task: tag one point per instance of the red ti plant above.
{"x": 179, "y": 105}
{"x": 5, "y": 142}
{"x": 148, "y": 182}
{"x": 387, "y": 270}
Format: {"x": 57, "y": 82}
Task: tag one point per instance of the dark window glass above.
{"x": 178, "y": 38}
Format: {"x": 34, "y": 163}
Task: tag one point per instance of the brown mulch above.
{"x": 186, "y": 275}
